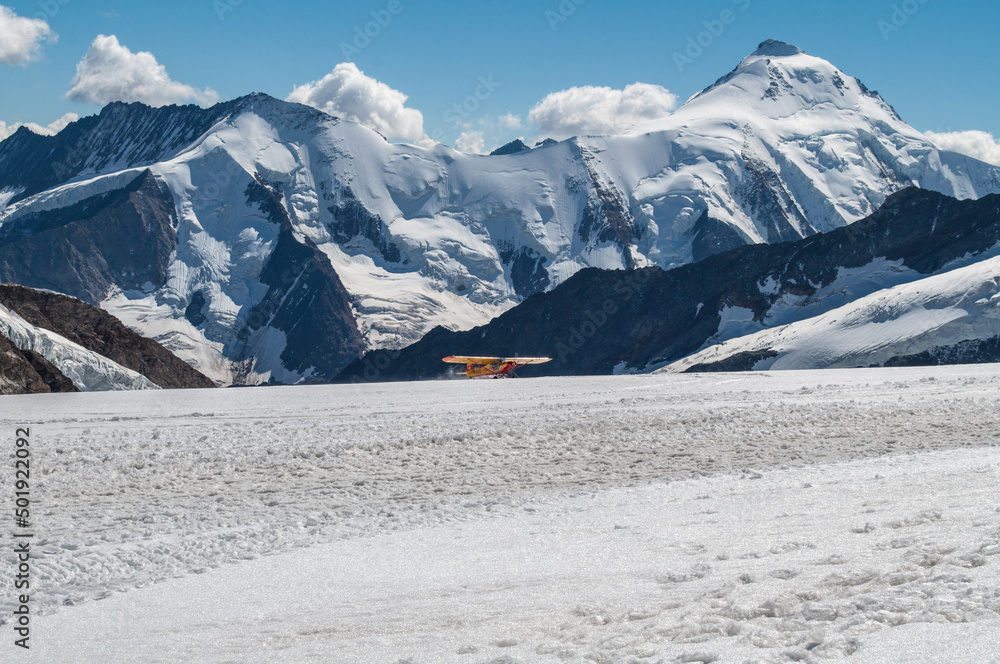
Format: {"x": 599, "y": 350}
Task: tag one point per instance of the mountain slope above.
{"x": 612, "y": 321}
{"x": 404, "y": 239}
{"x": 88, "y": 370}
{"x": 953, "y": 318}
{"x": 101, "y": 334}
{"x": 225, "y": 304}
{"x": 123, "y": 238}
{"x": 27, "y": 372}
{"x": 122, "y": 136}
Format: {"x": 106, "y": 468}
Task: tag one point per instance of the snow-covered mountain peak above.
{"x": 774, "y": 48}
{"x": 278, "y": 112}
{"x": 779, "y": 80}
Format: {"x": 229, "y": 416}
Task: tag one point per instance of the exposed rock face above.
{"x": 101, "y": 333}
{"x": 123, "y": 135}
{"x": 773, "y": 206}
{"x": 609, "y": 220}
{"x": 305, "y": 300}
{"x": 601, "y": 321}
{"x": 352, "y": 220}
{"x": 27, "y": 372}
{"x": 738, "y": 362}
{"x": 527, "y": 268}
{"x": 713, "y": 237}
{"x": 515, "y": 146}
{"x": 120, "y": 239}
{"x": 973, "y": 351}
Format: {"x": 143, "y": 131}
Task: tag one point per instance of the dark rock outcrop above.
{"x": 527, "y": 268}
{"x": 770, "y": 202}
{"x": 738, "y": 362}
{"x": 709, "y": 236}
{"x": 972, "y": 351}
{"x": 607, "y": 219}
{"x": 27, "y": 372}
{"x": 351, "y": 220}
{"x": 515, "y": 146}
{"x": 102, "y": 333}
{"x": 305, "y": 300}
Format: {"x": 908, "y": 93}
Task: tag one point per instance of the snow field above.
{"x": 636, "y": 574}
{"x": 817, "y": 515}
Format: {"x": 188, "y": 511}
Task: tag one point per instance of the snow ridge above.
{"x": 939, "y": 311}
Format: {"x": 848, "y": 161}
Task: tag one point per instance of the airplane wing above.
{"x": 466, "y": 359}
{"x": 529, "y": 360}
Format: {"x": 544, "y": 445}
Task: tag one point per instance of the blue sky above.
{"x": 936, "y": 62}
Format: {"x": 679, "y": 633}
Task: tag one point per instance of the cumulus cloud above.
{"x": 348, "y": 93}
{"x": 601, "y": 110}
{"x": 471, "y": 141}
{"x": 509, "y": 121}
{"x": 21, "y": 38}
{"x": 111, "y": 72}
{"x": 978, "y": 144}
{"x": 49, "y": 130}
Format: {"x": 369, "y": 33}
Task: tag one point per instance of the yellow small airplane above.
{"x": 492, "y": 367}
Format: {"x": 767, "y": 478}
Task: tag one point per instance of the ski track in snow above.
{"x": 537, "y": 520}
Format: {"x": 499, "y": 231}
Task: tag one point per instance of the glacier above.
{"x": 812, "y": 516}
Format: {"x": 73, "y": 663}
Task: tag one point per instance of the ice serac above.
{"x": 782, "y": 148}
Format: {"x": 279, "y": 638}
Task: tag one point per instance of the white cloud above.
{"x": 510, "y": 121}
{"x": 600, "y": 110}
{"x": 50, "y": 130}
{"x": 976, "y": 144}
{"x": 21, "y": 38}
{"x": 471, "y": 141}
{"x": 348, "y": 93}
{"x": 111, "y": 72}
